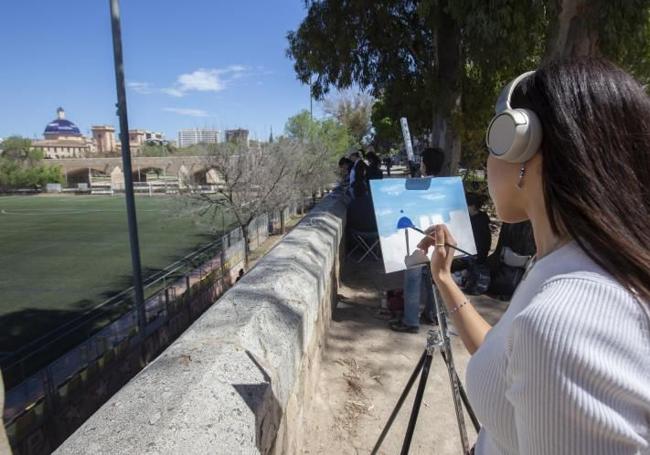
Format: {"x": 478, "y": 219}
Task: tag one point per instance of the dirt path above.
{"x": 365, "y": 368}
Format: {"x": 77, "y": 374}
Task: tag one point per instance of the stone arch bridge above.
{"x": 188, "y": 169}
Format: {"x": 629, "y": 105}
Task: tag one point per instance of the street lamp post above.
{"x": 126, "y": 164}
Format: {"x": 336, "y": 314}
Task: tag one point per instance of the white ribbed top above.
{"x": 567, "y": 368}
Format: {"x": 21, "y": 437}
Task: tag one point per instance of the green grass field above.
{"x": 60, "y": 255}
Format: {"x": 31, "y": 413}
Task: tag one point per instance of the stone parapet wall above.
{"x": 236, "y": 381}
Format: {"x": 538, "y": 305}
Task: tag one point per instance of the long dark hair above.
{"x": 596, "y": 162}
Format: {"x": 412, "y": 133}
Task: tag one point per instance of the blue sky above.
{"x": 190, "y": 63}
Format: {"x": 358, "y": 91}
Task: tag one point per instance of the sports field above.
{"x": 60, "y": 255}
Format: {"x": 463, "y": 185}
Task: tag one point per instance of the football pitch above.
{"x": 61, "y": 255}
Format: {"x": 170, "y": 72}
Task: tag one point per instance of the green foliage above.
{"x": 192, "y": 150}
{"x": 387, "y": 133}
{"x": 393, "y": 48}
{"x": 301, "y": 126}
{"x": 15, "y": 174}
{"x": 334, "y": 138}
{"x": 353, "y": 111}
{"x": 624, "y": 34}
{"x": 16, "y": 147}
{"x": 329, "y": 135}
{"x": 21, "y": 166}
{"x": 155, "y": 150}
{"x": 35, "y": 154}
{"x": 382, "y": 45}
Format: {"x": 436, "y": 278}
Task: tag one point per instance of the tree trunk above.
{"x": 447, "y": 49}
{"x": 574, "y": 33}
{"x": 282, "y": 222}
{"x": 447, "y": 138}
{"x": 244, "y": 230}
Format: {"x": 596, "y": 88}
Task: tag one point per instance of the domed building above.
{"x": 63, "y": 139}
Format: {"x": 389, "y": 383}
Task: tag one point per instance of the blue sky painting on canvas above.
{"x": 424, "y": 202}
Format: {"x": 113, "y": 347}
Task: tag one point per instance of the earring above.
{"x": 522, "y": 172}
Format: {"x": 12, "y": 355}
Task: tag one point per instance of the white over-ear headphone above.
{"x": 514, "y": 135}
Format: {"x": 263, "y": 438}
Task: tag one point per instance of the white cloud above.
{"x": 433, "y": 196}
{"x": 186, "y": 111}
{"x": 393, "y": 190}
{"x": 235, "y": 69}
{"x": 144, "y": 88}
{"x": 172, "y": 92}
{"x": 200, "y": 80}
{"x": 205, "y": 80}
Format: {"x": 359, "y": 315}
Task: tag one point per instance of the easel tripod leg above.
{"x": 463, "y": 396}
{"x": 454, "y": 381}
{"x": 400, "y": 402}
{"x": 417, "y": 403}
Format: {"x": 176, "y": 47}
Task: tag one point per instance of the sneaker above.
{"x": 401, "y": 327}
{"x": 424, "y": 319}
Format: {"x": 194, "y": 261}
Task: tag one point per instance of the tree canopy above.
{"x": 331, "y": 136}
{"x": 21, "y": 166}
{"x": 441, "y": 63}
{"x": 20, "y": 148}
{"x": 353, "y": 111}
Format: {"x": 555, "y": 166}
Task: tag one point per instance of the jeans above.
{"x": 417, "y": 290}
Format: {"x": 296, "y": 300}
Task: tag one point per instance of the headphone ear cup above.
{"x": 514, "y": 135}
{"x": 500, "y": 135}
{"x": 535, "y": 134}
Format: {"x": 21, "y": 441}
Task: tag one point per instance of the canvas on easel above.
{"x": 423, "y": 203}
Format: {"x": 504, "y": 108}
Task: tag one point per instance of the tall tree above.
{"x": 441, "y": 63}
{"x": 329, "y": 135}
{"x": 495, "y": 50}
{"x": 353, "y": 111}
{"x": 321, "y": 142}
{"x": 616, "y": 29}
{"x": 301, "y": 126}
{"x": 408, "y": 53}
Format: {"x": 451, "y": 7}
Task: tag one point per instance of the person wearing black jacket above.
{"x": 480, "y": 227}
{"x": 515, "y": 247}
{"x": 373, "y": 172}
{"x": 475, "y": 272}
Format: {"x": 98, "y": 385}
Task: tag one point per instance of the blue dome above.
{"x": 61, "y": 126}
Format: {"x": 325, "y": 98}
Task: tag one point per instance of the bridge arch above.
{"x": 83, "y": 175}
{"x": 144, "y": 174}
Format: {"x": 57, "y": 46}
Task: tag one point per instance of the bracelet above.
{"x": 458, "y": 307}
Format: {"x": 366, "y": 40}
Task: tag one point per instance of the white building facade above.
{"x": 198, "y": 136}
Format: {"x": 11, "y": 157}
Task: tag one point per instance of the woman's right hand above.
{"x": 439, "y": 238}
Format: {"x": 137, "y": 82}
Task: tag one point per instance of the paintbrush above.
{"x": 446, "y": 244}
